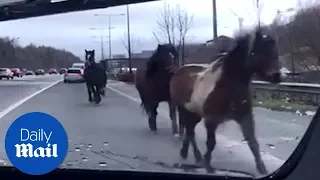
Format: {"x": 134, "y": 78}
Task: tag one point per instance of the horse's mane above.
{"x": 153, "y": 62}
{"x": 241, "y": 50}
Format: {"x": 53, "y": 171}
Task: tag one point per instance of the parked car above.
{"x": 73, "y": 75}
{"x": 6, "y": 73}
{"x": 63, "y": 71}
{"x": 52, "y": 71}
{"x": 28, "y": 73}
{"x": 40, "y": 72}
{"x": 17, "y": 72}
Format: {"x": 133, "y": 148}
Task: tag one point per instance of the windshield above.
{"x": 78, "y": 66}
{"x": 73, "y": 71}
{"x": 108, "y": 130}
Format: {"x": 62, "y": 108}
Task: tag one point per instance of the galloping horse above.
{"x": 152, "y": 83}
{"x": 95, "y": 77}
{"x": 220, "y": 91}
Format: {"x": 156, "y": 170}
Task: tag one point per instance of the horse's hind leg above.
{"x": 190, "y": 120}
{"x": 173, "y": 117}
{"x": 247, "y": 126}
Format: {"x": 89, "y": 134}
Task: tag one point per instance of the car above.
{"x": 52, "y": 71}
{"x": 73, "y": 75}
{"x": 40, "y": 72}
{"x": 29, "y": 72}
{"x": 63, "y": 71}
{"x": 17, "y": 72}
{"x": 78, "y": 65}
{"x": 6, "y": 73}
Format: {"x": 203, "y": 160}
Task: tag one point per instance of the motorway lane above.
{"x": 114, "y": 134}
{"x": 278, "y": 132}
{"x": 14, "y": 90}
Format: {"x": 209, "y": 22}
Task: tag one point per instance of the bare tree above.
{"x": 172, "y": 27}
{"x": 32, "y": 56}
{"x": 135, "y": 43}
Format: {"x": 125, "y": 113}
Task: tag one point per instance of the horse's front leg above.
{"x": 211, "y": 126}
{"x": 96, "y": 93}
{"x": 173, "y": 117}
{"x": 248, "y": 129}
{"x": 152, "y": 116}
{"x": 89, "y": 89}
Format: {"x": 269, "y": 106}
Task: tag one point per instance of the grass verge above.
{"x": 282, "y": 105}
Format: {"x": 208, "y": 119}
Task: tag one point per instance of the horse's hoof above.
{"x": 210, "y": 169}
{"x": 176, "y": 135}
{"x": 262, "y": 169}
{"x": 183, "y": 154}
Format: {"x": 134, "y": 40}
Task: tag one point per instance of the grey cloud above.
{"x": 71, "y": 30}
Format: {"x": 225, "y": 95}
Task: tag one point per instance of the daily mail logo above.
{"x": 28, "y": 150}
{"x": 36, "y": 143}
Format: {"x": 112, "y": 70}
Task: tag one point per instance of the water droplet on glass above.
{"x": 89, "y": 145}
{"x": 77, "y": 149}
{"x": 271, "y": 146}
{"x": 81, "y": 145}
{"x": 102, "y": 164}
{"x": 106, "y": 143}
{"x": 84, "y": 159}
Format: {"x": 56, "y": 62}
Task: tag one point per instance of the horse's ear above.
{"x": 86, "y": 50}
{"x": 93, "y": 51}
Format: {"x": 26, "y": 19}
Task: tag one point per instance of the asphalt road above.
{"x": 115, "y": 135}
{"x": 14, "y": 90}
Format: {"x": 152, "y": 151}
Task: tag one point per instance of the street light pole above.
{"x": 129, "y": 40}
{"x": 240, "y": 20}
{"x": 109, "y": 28}
{"x": 101, "y": 40}
{"x": 102, "y": 48}
{"x": 214, "y": 14}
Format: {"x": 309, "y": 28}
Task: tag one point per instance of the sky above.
{"x": 82, "y": 30}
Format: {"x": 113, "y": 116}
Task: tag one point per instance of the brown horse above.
{"x": 220, "y": 91}
{"x": 152, "y": 83}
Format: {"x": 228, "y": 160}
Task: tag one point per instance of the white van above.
{"x": 78, "y": 65}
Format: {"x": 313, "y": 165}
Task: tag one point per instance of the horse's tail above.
{"x": 143, "y": 98}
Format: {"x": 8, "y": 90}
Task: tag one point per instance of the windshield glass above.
{"x": 74, "y": 71}
{"x": 78, "y": 66}
{"x": 115, "y": 134}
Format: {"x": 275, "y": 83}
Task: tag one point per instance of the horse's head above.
{"x": 263, "y": 59}
{"x": 164, "y": 58}
{"x": 89, "y": 57}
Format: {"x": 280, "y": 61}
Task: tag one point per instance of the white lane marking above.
{"x": 20, "y": 102}
{"x": 228, "y": 141}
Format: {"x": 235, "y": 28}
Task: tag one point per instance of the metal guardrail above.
{"x": 289, "y": 87}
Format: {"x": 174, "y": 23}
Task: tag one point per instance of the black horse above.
{"x": 95, "y": 77}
